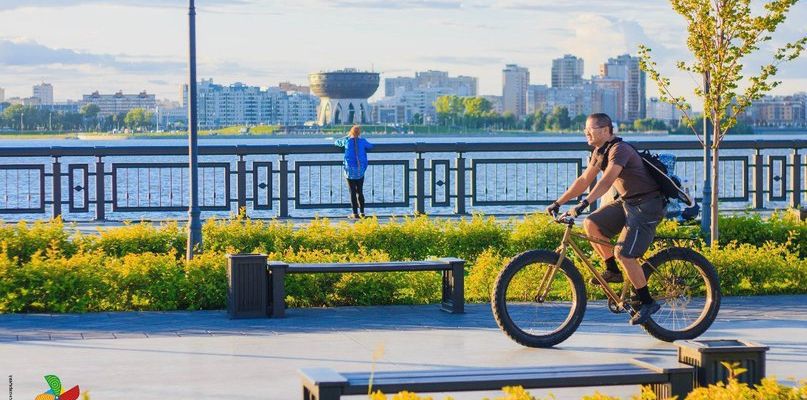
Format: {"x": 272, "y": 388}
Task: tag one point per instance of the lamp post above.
{"x": 194, "y": 220}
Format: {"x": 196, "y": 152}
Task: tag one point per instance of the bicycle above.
{"x": 684, "y": 283}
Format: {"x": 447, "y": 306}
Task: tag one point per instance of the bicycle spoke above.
{"x": 681, "y": 289}
{"x": 539, "y": 317}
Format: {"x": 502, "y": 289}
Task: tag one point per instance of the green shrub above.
{"x": 140, "y": 266}
{"x": 745, "y": 269}
{"x": 243, "y": 235}
{"x": 52, "y": 283}
{"x": 483, "y": 273}
{"x": 147, "y": 281}
{"x": 409, "y": 238}
{"x": 138, "y": 238}
{"x": 22, "y": 240}
{"x": 752, "y": 229}
{"x": 535, "y": 231}
{"x": 467, "y": 238}
{"x": 204, "y": 286}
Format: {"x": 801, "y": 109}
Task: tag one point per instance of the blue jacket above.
{"x": 355, "y": 163}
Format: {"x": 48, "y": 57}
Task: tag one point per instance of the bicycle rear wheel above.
{"x": 688, "y": 289}
{"x": 531, "y": 321}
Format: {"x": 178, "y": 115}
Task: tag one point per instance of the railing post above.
{"x": 284, "y": 186}
{"x": 758, "y": 180}
{"x": 242, "y": 183}
{"x": 100, "y": 200}
{"x": 57, "y": 187}
{"x": 459, "y": 207}
{"x": 795, "y": 187}
{"x": 420, "y": 185}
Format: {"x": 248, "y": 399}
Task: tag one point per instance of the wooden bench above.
{"x": 453, "y": 270}
{"x": 666, "y": 376}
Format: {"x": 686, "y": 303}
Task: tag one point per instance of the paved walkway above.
{"x": 204, "y": 355}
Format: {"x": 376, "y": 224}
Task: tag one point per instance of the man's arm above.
{"x": 608, "y": 177}
{"x": 579, "y": 185}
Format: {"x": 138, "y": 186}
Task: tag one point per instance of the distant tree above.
{"x": 450, "y": 109}
{"x": 649, "y": 124}
{"x": 417, "y": 119}
{"x": 137, "y": 118}
{"x": 559, "y": 119}
{"x": 12, "y": 115}
{"x": 579, "y": 122}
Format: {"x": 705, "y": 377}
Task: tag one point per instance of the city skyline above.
{"x": 395, "y": 39}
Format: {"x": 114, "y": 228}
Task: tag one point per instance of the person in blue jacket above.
{"x": 355, "y": 164}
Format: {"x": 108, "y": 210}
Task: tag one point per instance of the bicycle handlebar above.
{"x": 564, "y": 218}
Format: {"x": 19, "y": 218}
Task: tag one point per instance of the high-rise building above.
{"x": 663, "y": 111}
{"x": 515, "y": 81}
{"x": 458, "y": 86}
{"x": 578, "y": 99}
{"x": 626, "y": 68}
{"x": 239, "y": 104}
{"x": 118, "y": 103}
{"x": 2, "y": 95}
{"x": 44, "y": 92}
{"x": 610, "y": 97}
{"x": 398, "y": 85}
{"x": 567, "y": 71}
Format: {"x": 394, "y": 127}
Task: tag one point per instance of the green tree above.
{"x": 137, "y": 118}
{"x": 450, "y": 109}
{"x": 559, "y": 119}
{"x": 722, "y": 34}
{"x": 649, "y": 124}
{"x": 90, "y": 114}
{"x": 13, "y": 115}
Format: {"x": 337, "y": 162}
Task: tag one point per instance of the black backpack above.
{"x": 670, "y": 185}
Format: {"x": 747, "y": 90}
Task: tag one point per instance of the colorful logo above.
{"x": 55, "y": 392}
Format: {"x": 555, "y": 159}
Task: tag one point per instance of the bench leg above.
{"x": 277, "y": 292}
{"x": 454, "y": 288}
{"x": 325, "y": 393}
{"x": 680, "y": 385}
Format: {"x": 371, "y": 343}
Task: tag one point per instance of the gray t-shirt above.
{"x": 634, "y": 178}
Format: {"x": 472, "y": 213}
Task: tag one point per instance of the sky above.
{"x": 82, "y": 46}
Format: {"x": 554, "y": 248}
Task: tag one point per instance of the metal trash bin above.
{"x": 247, "y": 286}
{"x": 707, "y": 355}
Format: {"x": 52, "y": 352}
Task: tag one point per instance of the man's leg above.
{"x": 635, "y": 239}
{"x": 634, "y": 270}
{"x": 601, "y": 225}
{"x": 593, "y": 231}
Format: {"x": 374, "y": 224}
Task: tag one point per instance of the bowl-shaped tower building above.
{"x": 343, "y": 95}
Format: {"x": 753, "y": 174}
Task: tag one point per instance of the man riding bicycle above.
{"x": 634, "y": 216}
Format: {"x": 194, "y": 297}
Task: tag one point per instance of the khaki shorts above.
{"x": 635, "y": 220}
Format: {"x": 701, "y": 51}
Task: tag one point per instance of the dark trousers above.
{"x": 356, "y": 195}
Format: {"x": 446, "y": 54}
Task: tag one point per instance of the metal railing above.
{"x": 278, "y": 180}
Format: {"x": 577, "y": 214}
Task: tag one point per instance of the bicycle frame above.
{"x": 566, "y": 243}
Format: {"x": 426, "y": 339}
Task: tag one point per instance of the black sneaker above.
{"x": 644, "y": 313}
{"x": 609, "y": 276}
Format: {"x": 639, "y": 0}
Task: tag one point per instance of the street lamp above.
{"x": 194, "y": 220}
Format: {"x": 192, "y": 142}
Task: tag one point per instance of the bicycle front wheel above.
{"x": 524, "y": 314}
{"x": 688, "y": 289}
